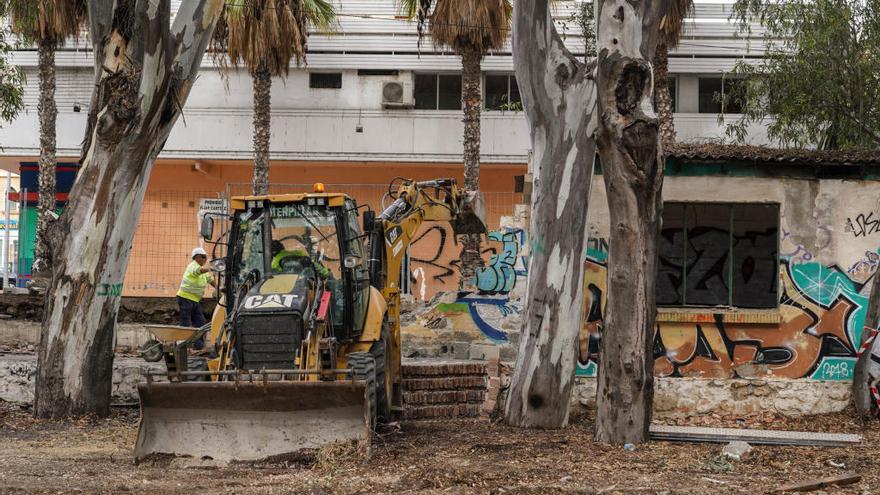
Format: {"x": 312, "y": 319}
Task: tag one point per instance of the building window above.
{"x": 713, "y": 91}
{"x": 325, "y": 80}
{"x": 438, "y": 92}
{"x": 378, "y": 72}
{"x": 719, "y": 254}
{"x": 502, "y": 92}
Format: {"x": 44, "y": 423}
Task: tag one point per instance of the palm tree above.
{"x": 471, "y": 28}
{"x": 671, "y": 29}
{"x": 48, "y": 23}
{"x": 266, "y": 35}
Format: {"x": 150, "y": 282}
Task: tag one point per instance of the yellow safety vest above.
{"x": 194, "y": 282}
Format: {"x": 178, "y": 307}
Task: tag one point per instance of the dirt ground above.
{"x": 475, "y": 456}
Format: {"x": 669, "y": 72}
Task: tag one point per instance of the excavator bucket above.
{"x": 471, "y": 214}
{"x": 248, "y": 421}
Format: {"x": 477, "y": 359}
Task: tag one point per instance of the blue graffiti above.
{"x": 504, "y": 307}
{"x": 499, "y": 277}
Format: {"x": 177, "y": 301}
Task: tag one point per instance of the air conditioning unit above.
{"x": 397, "y": 94}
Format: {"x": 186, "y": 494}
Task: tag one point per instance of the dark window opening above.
{"x": 378, "y": 72}
{"x": 718, "y": 254}
{"x": 673, "y": 93}
{"x": 325, "y": 80}
{"x": 709, "y": 87}
{"x": 721, "y": 94}
{"x": 501, "y": 92}
{"x": 438, "y": 92}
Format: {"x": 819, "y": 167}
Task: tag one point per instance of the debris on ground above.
{"x": 461, "y": 456}
{"x": 736, "y": 450}
{"x": 810, "y": 485}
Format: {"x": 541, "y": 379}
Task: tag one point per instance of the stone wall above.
{"x": 158, "y": 310}
{"x": 17, "y": 378}
{"x": 685, "y": 397}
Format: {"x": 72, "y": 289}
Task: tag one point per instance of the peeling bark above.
{"x": 632, "y": 164}
{"x": 559, "y": 99}
{"x": 48, "y": 113}
{"x": 471, "y": 98}
{"x": 662, "y": 96}
{"x": 861, "y": 392}
{"x": 144, "y": 72}
{"x": 262, "y": 129}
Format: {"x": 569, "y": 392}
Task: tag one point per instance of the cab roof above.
{"x": 333, "y": 199}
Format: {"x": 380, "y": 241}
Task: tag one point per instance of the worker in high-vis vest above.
{"x": 196, "y": 279}
{"x": 280, "y": 253}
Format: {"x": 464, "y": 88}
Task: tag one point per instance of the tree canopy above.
{"x": 820, "y": 78}
{"x": 11, "y": 77}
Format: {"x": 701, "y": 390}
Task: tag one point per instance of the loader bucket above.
{"x": 471, "y": 215}
{"x": 248, "y": 421}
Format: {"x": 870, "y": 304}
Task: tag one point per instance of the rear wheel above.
{"x": 381, "y": 351}
{"x": 363, "y": 367}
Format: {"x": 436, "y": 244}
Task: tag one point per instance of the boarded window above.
{"x": 718, "y": 254}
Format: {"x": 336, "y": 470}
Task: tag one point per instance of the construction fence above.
{"x": 169, "y": 230}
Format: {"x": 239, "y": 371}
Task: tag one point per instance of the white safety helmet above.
{"x": 197, "y": 251}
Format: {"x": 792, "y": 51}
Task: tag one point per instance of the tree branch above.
{"x": 192, "y": 30}
{"x": 535, "y": 36}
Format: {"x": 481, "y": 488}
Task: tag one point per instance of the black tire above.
{"x": 363, "y": 367}
{"x": 195, "y": 363}
{"x": 381, "y": 351}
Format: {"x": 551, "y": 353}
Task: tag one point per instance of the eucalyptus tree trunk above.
{"x": 631, "y": 157}
{"x": 262, "y": 129}
{"x": 144, "y": 70}
{"x": 867, "y": 371}
{"x": 48, "y": 113}
{"x": 662, "y": 96}
{"x": 471, "y": 99}
{"x": 559, "y": 99}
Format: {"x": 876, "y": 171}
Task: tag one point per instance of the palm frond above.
{"x": 672, "y": 21}
{"x": 480, "y": 25}
{"x": 47, "y": 20}
{"x": 269, "y": 34}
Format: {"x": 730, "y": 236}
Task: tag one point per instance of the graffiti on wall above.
{"x": 491, "y": 305}
{"x": 862, "y": 225}
{"x": 816, "y": 333}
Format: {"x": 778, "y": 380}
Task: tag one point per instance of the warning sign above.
{"x": 214, "y": 206}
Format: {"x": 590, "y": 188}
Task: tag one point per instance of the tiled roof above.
{"x": 711, "y": 151}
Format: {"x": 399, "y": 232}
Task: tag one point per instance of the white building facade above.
{"x": 318, "y": 109}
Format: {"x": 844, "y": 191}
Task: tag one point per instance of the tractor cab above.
{"x": 294, "y": 261}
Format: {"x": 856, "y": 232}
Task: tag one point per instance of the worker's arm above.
{"x": 204, "y": 269}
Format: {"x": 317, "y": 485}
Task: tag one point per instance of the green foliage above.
{"x": 820, "y": 78}
{"x": 510, "y": 106}
{"x": 11, "y": 77}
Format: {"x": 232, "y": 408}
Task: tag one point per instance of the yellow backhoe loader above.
{"x": 304, "y": 346}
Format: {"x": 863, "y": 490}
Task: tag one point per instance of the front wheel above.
{"x": 381, "y": 351}
{"x": 363, "y": 367}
